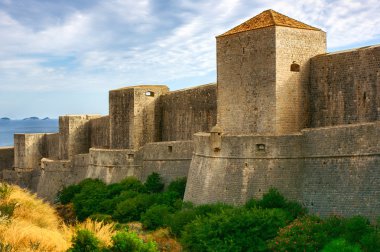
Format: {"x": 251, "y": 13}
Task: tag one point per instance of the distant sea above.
{"x": 10, "y": 127}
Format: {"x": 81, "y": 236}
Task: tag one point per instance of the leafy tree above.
{"x": 154, "y": 183}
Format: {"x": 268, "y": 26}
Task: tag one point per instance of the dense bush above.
{"x": 310, "y": 233}
{"x": 178, "y": 220}
{"x": 124, "y": 201}
{"x": 131, "y": 184}
{"x": 131, "y": 209}
{"x": 304, "y": 234}
{"x": 178, "y": 186}
{"x": 126, "y": 241}
{"x": 67, "y": 194}
{"x": 85, "y": 241}
{"x": 156, "y": 216}
{"x": 154, "y": 184}
{"x": 237, "y": 229}
{"x": 341, "y": 245}
{"x": 274, "y": 199}
{"x": 271, "y": 223}
{"x": 87, "y": 201}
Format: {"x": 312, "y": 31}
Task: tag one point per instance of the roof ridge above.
{"x": 271, "y": 14}
{"x": 269, "y": 18}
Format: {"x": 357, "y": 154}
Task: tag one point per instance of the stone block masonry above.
{"x": 29, "y": 150}
{"x": 188, "y": 111}
{"x": 284, "y": 114}
{"x": 344, "y": 87}
{"x": 100, "y": 132}
{"x": 133, "y": 120}
{"x": 6, "y": 159}
{"x": 74, "y": 135}
{"x": 170, "y": 159}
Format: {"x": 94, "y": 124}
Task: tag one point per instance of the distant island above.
{"x": 46, "y": 118}
{"x": 5, "y": 118}
{"x": 32, "y": 118}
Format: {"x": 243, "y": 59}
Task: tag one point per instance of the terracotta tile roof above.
{"x": 266, "y": 19}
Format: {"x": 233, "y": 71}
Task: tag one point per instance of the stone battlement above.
{"x": 284, "y": 113}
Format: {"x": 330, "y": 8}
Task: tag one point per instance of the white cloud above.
{"x": 120, "y": 42}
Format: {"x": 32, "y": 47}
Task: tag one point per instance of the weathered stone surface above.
{"x": 188, "y": 111}
{"x": 288, "y": 116}
{"x": 133, "y": 120}
{"x": 29, "y": 150}
{"x": 100, "y": 132}
{"x": 170, "y": 159}
{"x": 344, "y": 87}
{"x": 6, "y": 158}
{"x": 74, "y": 135}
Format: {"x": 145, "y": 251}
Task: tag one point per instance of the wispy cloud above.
{"x": 100, "y": 45}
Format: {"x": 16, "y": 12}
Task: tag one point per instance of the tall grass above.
{"x": 31, "y": 224}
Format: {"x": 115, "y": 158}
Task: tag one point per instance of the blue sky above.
{"x": 61, "y": 57}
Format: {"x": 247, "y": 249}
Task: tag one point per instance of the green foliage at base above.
{"x": 272, "y": 223}
{"x": 154, "y": 184}
{"x": 85, "y": 241}
{"x": 155, "y": 216}
{"x": 128, "y": 241}
{"x": 125, "y": 201}
{"x": 341, "y": 245}
{"x": 237, "y": 229}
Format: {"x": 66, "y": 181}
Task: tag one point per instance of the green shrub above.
{"x": 108, "y": 206}
{"x": 154, "y": 183}
{"x": 274, "y": 199}
{"x": 132, "y": 184}
{"x": 333, "y": 226}
{"x": 178, "y": 220}
{"x": 355, "y": 228}
{"x": 341, "y": 245}
{"x": 85, "y": 241}
{"x": 168, "y": 198}
{"x": 129, "y": 241}
{"x": 215, "y": 208}
{"x": 106, "y": 218}
{"x": 66, "y": 195}
{"x": 237, "y": 229}
{"x": 88, "y": 201}
{"x": 252, "y": 203}
{"x": 5, "y": 191}
{"x": 155, "y": 216}
{"x": 178, "y": 185}
{"x": 131, "y": 209}
{"x": 303, "y": 234}
{"x": 7, "y": 209}
{"x": 371, "y": 242}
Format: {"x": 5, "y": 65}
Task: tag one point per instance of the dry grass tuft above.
{"x": 33, "y": 225}
{"x": 103, "y": 231}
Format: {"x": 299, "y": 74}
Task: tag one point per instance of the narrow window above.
{"x": 294, "y": 67}
{"x": 149, "y": 93}
{"x": 260, "y": 147}
{"x": 170, "y": 148}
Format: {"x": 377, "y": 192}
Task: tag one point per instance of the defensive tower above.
{"x": 263, "y": 70}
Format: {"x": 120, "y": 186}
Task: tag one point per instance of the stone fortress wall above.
{"x": 153, "y": 137}
{"x": 284, "y": 114}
